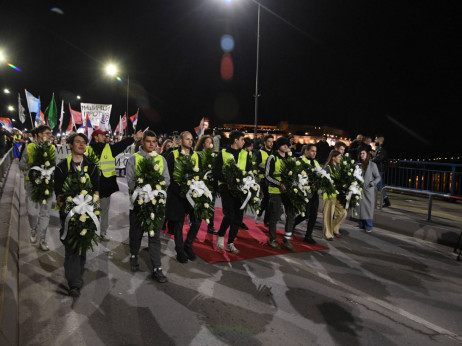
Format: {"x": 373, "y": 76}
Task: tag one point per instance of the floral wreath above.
{"x": 41, "y": 173}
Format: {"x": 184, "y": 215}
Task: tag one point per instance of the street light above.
{"x": 6, "y": 91}
{"x": 2, "y": 57}
{"x": 78, "y": 97}
{"x": 112, "y": 71}
{"x": 10, "y": 108}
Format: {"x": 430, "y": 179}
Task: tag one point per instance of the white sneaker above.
{"x": 231, "y": 248}
{"x": 221, "y": 242}
{"x": 33, "y": 236}
{"x": 43, "y": 245}
{"x": 258, "y": 219}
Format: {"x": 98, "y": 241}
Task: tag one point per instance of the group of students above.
{"x": 103, "y": 177}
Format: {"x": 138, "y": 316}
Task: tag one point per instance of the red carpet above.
{"x": 251, "y": 243}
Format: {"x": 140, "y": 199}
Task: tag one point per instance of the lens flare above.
{"x": 227, "y": 67}
{"x": 14, "y": 67}
{"x": 119, "y": 79}
{"x": 227, "y": 43}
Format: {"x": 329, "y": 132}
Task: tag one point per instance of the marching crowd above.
{"x": 93, "y": 163}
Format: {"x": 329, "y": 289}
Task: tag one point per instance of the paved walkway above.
{"x": 381, "y": 288}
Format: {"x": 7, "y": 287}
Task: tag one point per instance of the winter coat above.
{"x": 371, "y": 177}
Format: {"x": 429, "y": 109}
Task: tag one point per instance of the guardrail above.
{"x": 439, "y": 178}
{"x": 5, "y": 163}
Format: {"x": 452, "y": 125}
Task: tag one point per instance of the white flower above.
{"x": 303, "y": 214}
{"x": 84, "y": 231}
{"x": 290, "y": 173}
{"x": 196, "y": 178}
{"x": 45, "y": 154}
{"x": 83, "y": 192}
{"x": 83, "y": 217}
{"x": 69, "y": 199}
{"x": 153, "y": 154}
{"x": 347, "y": 155}
{"x": 151, "y": 233}
{"x": 47, "y": 163}
{"x": 161, "y": 201}
{"x": 183, "y": 152}
{"x": 244, "y": 172}
{"x": 303, "y": 172}
{"x": 352, "y": 161}
{"x": 255, "y": 187}
{"x": 206, "y": 205}
{"x": 140, "y": 201}
{"x": 158, "y": 187}
{"x": 255, "y": 171}
{"x": 47, "y": 192}
{"x": 152, "y": 216}
{"x": 357, "y": 197}
{"x": 194, "y": 195}
{"x": 207, "y": 221}
{"x": 196, "y": 169}
{"x": 47, "y": 181}
{"x": 289, "y": 153}
{"x": 349, "y": 173}
{"x": 44, "y": 201}
{"x": 156, "y": 167}
{"x": 210, "y": 166}
{"x": 256, "y": 199}
{"x": 298, "y": 163}
{"x": 306, "y": 187}
{"x": 37, "y": 181}
{"x": 336, "y": 191}
{"x": 214, "y": 154}
{"x": 162, "y": 182}
{"x": 95, "y": 198}
{"x": 238, "y": 180}
{"x": 83, "y": 180}
{"x": 206, "y": 194}
{"x": 78, "y": 168}
{"x": 307, "y": 200}
{"x": 205, "y": 177}
{"x": 237, "y": 165}
{"x": 211, "y": 146}
{"x": 153, "y": 201}
{"x": 245, "y": 192}
{"x": 189, "y": 182}
{"x": 97, "y": 212}
{"x": 140, "y": 180}
{"x": 295, "y": 190}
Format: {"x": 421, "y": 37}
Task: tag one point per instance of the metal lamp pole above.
{"x": 256, "y": 76}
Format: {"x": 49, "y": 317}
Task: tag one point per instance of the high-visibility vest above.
{"x": 304, "y": 159}
{"x": 30, "y": 147}
{"x": 106, "y": 161}
{"x": 194, "y": 157}
{"x": 262, "y": 165}
{"x": 276, "y": 175}
{"x": 241, "y": 160}
{"x": 85, "y": 168}
{"x": 158, "y": 159}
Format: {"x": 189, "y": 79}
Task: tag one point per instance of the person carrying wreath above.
{"x": 74, "y": 163}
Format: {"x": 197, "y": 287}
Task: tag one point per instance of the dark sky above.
{"x": 390, "y": 67}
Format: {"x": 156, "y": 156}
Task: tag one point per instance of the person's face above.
{"x": 168, "y": 145}
{"x": 311, "y": 153}
{"x": 363, "y": 155}
{"x": 100, "y": 138}
{"x": 284, "y": 148}
{"x": 207, "y": 143}
{"x": 323, "y": 139}
{"x": 341, "y": 149}
{"x": 44, "y": 136}
{"x": 249, "y": 148}
{"x": 187, "y": 140}
{"x": 269, "y": 143}
{"x": 78, "y": 146}
{"x": 337, "y": 159}
{"x": 149, "y": 144}
{"x": 368, "y": 141}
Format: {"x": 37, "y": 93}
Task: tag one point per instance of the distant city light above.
{"x": 78, "y": 97}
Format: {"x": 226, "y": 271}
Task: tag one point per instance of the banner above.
{"x": 96, "y": 112}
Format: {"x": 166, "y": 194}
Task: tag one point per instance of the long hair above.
{"x": 164, "y": 145}
{"x": 330, "y": 159}
{"x": 201, "y": 142}
{"x": 365, "y": 163}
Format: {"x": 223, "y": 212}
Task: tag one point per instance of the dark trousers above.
{"x": 311, "y": 214}
{"x": 74, "y": 263}
{"x": 264, "y": 201}
{"x": 136, "y": 235}
{"x": 178, "y": 231}
{"x": 275, "y": 210}
{"x": 232, "y": 215}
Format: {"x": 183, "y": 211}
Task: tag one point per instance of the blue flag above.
{"x": 33, "y": 103}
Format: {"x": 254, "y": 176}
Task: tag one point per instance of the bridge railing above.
{"x": 5, "y": 163}
{"x": 439, "y": 178}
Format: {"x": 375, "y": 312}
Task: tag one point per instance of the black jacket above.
{"x": 380, "y": 158}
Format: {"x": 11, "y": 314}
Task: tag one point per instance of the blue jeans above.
{"x": 365, "y": 224}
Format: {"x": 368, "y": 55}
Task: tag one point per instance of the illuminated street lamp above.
{"x": 10, "y": 108}
{"x": 112, "y": 70}
{"x": 78, "y": 97}
{"x": 2, "y": 57}
{"x": 6, "y": 91}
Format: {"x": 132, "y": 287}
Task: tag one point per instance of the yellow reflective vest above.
{"x": 241, "y": 160}
{"x": 106, "y": 161}
{"x": 276, "y": 175}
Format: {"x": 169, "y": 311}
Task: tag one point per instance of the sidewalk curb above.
{"x": 9, "y": 257}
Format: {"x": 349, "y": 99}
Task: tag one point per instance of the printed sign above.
{"x": 96, "y": 112}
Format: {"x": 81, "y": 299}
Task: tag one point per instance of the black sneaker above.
{"x": 310, "y": 241}
{"x": 182, "y": 257}
{"x": 212, "y": 230}
{"x": 190, "y": 253}
{"x": 134, "y": 265}
{"x": 159, "y": 276}
{"x": 386, "y": 203}
{"x": 74, "y": 292}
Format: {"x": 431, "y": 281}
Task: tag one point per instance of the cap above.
{"x": 98, "y": 132}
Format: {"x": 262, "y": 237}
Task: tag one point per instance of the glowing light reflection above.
{"x": 14, "y": 67}
{"x": 119, "y": 79}
{"x": 227, "y": 43}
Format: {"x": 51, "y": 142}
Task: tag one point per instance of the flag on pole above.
{"x": 76, "y": 116}
{"x": 33, "y": 103}
{"x": 119, "y": 126}
{"x": 61, "y": 116}
{"x": 71, "y": 124}
{"x": 7, "y": 125}
{"x": 200, "y": 129}
{"x": 124, "y": 121}
{"x": 52, "y": 113}
{"x": 88, "y": 127}
{"x": 39, "y": 119}
{"x": 134, "y": 119}
{"x": 21, "y": 110}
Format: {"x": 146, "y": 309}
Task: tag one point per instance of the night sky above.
{"x": 390, "y": 67}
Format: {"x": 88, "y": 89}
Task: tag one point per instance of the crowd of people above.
{"x": 265, "y": 157}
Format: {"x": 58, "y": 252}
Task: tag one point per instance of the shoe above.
{"x": 221, "y": 242}
{"x": 337, "y": 235}
{"x": 258, "y": 219}
{"x": 310, "y": 241}
{"x": 33, "y": 236}
{"x": 231, "y": 248}
{"x": 43, "y": 245}
{"x": 182, "y": 257}
{"x": 244, "y": 226}
{"x": 368, "y": 230}
{"x": 212, "y": 230}
{"x": 386, "y": 203}
{"x": 274, "y": 244}
{"x": 330, "y": 239}
{"x": 288, "y": 245}
{"x": 105, "y": 237}
{"x": 134, "y": 265}
{"x": 159, "y": 276}
{"x": 190, "y": 253}
{"x": 74, "y": 292}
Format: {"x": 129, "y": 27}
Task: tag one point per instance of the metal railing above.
{"x": 5, "y": 163}
{"x": 432, "y": 177}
